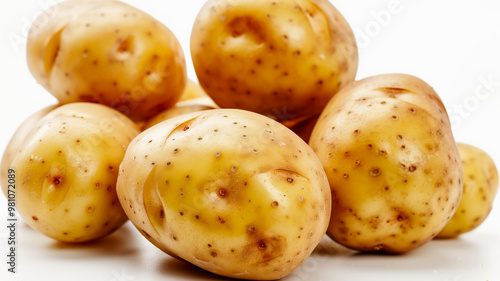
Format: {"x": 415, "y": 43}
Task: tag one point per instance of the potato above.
{"x": 15, "y": 143}
{"x": 66, "y": 172}
{"x": 230, "y": 191}
{"x": 188, "y": 106}
{"x": 480, "y": 188}
{"x": 107, "y": 52}
{"x": 392, "y": 163}
{"x": 284, "y": 59}
{"x": 192, "y": 91}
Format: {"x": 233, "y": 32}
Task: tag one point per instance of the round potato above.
{"x": 283, "y": 59}
{"x": 230, "y": 191}
{"x": 393, "y": 166}
{"x": 66, "y": 171}
{"x": 107, "y": 52}
{"x": 480, "y": 188}
{"x": 16, "y": 141}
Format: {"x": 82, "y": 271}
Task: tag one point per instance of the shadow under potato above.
{"x": 185, "y": 271}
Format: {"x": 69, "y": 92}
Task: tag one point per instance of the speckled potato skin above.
{"x": 230, "y": 191}
{"x": 16, "y": 141}
{"x": 66, "y": 171}
{"x": 480, "y": 188}
{"x": 107, "y": 52}
{"x": 284, "y": 59}
{"x": 393, "y": 166}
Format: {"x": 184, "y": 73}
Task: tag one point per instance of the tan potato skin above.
{"x": 15, "y": 143}
{"x": 393, "y": 166}
{"x": 480, "y": 188}
{"x": 230, "y": 191}
{"x": 192, "y": 91}
{"x": 66, "y": 172}
{"x": 179, "y": 109}
{"x": 283, "y": 59}
{"x": 107, "y": 52}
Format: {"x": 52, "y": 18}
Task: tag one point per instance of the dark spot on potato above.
{"x": 374, "y": 172}
{"x": 34, "y": 218}
{"x": 222, "y": 192}
{"x": 412, "y": 168}
{"x": 213, "y": 254}
{"x": 274, "y": 204}
{"x": 162, "y": 214}
{"x": 290, "y": 180}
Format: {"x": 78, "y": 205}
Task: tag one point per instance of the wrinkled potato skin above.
{"x": 66, "y": 172}
{"x": 230, "y": 191}
{"x": 480, "y": 188}
{"x": 266, "y": 47}
{"x": 16, "y": 141}
{"x": 107, "y": 52}
{"x": 393, "y": 166}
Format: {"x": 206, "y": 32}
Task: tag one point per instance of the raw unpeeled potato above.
{"x": 480, "y": 188}
{"x": 393, "y": 166}
{"x": 66, "y": 170}
{"x": 230, "y": 191}
{"x": 107, "y": 52}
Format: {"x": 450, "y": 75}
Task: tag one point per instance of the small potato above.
{"x": 284, "y": 59}
{"x": 230, "y": 191}
{"x": 192, "y": 105}
{"x": 16, "y": 141}
{"x": 66, "y": 171}
{"x": 395, "y": 175}
{"x": 192, "y": 91}
{"x": 480, "y": 188}
{"x": 107, "y": 52}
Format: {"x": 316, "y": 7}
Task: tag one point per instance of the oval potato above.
{"x": 66, "y": 171}
{"x": 480, "y": 188}
{"x": 395, "y": 174}
{"x": 107, "y": 52}
{"x": 283, "y": 59}
{"x": 230, "y": 191}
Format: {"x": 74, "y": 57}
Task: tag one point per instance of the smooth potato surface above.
{"x": 107, "y": 52}
{"x": 230, "y": 191}
{"x": 480, "y": 188}
{"x": 66, "y": 171}
{"x": 393, "y": 166}
{"x": 16, "y": 141}
{"x": 283, "y": 59}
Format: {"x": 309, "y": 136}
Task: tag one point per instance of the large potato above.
{"x": 230, "y": 191}
{"x": 16, "y": 141}
{"x": 392, "y": 163}
{"x": 284, "y": 59}
{"x": 107, "y": 52}
{"x": 480, "y": 188}
{"x": 66, "y": 171}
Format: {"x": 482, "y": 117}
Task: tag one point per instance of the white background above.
{"x": 453, "y": 45}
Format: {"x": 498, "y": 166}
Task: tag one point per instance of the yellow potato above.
{"x": 230, "y": 191}
{"x": 192, "y": 91}
{"x": 392, "y": 163}
{"x": 188, "y": 106}
{"x": 15, "y": 143}
{"x": 66, "y": 172}
{"x": 107, "y": 52}
{"x": 284, "y": 59}
{"x": 480, "y": 188}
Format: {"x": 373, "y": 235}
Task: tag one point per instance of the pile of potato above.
{"x": 220, "y": 175}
